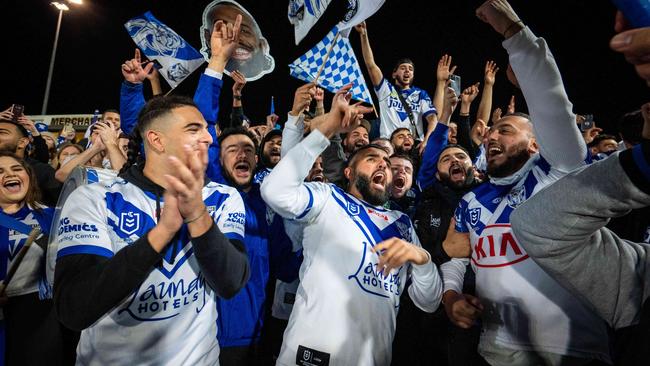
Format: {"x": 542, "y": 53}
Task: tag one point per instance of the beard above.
{"x": 266, "y": 161}
{"x": 514, "y": 162}
{"x": 445, "y": 179}
{"x": 232, "y": 182}
{"x": 375, "y": 198}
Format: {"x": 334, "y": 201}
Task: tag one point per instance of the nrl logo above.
{"x": 474, "y": 216}
{"x": 353, "y": 209}
{"x": 129, "y": 222}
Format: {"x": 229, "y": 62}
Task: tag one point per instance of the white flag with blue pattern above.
{"x": 341, "y": 67}
{"x": 159, "y": 42}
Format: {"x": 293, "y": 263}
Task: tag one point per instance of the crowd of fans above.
{"x": 334, "y": 238}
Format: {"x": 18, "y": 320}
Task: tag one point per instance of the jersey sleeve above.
{"x": 460, "y": 214}
{"x": 384, "y": 89}
{"x": 232, "y": 219}
{"x": 83, "y": 227}
{"x": 284, "y": 189}
{"x": 426, "y": 104}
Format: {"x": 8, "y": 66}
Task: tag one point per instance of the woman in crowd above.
{"x": 30, "y": 328}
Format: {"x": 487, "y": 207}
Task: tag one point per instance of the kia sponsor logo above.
{"x": 497, "y": 247}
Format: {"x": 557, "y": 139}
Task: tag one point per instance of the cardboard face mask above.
{"x": 252, "y": 57}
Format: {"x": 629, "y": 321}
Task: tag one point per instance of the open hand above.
{"x": 444, "y": 68}
{"x": 491, "y": 70}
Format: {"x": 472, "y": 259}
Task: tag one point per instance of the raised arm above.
{"x": 557, "y": 134}
{"x": 368, "y": 58}
{"x": 64, "y": 170}
{"x": 283, "y": 189}
{"x": 110, "y": 138}
{"x": 131, "y": 92}
{"x": 464, "y": 135}
{"x": 223, "y": 41}
{"x": 293, "y": 127}
{"x": 237, "y": 113}
{"x": 485, "y": 105}
{"x": 443, "y": 71}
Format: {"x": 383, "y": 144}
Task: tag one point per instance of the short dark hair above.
{"x": 111, "y": 110}
{"x": 403, "y": 60}
{"x": 237, "y": 131}
{"x": 155, "y": 108}
{"x": 600, "y": 138}
{"x": 403, "y": 156}
{"x": 21, "y": 130}
{"x": 398, "y": 131}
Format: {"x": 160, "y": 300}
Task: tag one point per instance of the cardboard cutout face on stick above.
{"x": 252, "y": 58}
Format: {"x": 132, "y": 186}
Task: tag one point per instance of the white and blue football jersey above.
{"x": 345, "y": 307}
{"x": 171, "y": 318}
{"x": 392, "y": 113}
{"x": 525, "y": 308}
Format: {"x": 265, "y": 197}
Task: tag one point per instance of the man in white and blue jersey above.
{"x": 420, "y": 116}
{"x": 357, "y": 255}
{"x": 527, "y": 317}
{"x": 142, "y": 258}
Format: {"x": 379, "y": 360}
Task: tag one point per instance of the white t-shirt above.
{"x": 392, "y": 113}
{"x": 171, "y": 318}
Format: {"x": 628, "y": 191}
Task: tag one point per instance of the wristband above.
{"x": 185, "y": 221}
{"x": 238, "y": 97}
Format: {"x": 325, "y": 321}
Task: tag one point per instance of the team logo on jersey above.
{"x": 497, "y": 247}
{"x": 516, "y": 196}
{"x": 129, "y": 222}
{"x": 435, "y": 221}
{"x": 474, "y": 216}
{"x": 404, "y": 230}
{"x": 353, "y": 209}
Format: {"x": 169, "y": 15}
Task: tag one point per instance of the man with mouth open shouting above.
{"x": 251, "y": 57}
{"x": 527, "y": 316}
{"x": 357, "y": 255}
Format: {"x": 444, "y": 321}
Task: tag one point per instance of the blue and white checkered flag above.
{"x": 341, "y": 67}
{"x": 159, "y": 42}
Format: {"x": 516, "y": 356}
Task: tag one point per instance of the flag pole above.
{"x": 327, "y": 56}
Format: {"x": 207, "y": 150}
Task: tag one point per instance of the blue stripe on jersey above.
{"x": 84, "y": 249}
{"x": 641, "y": 162}
{"x": 170, "y": 273}
{"x": 309, "y": 204}
{"x": 234, "y": 236}
{"x": 345, "y": 208}
{"x": 130, "y": 219}
{"x": 390, "y": 231}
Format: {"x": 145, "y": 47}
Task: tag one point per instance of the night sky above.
{"x": 93, "y": 44}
